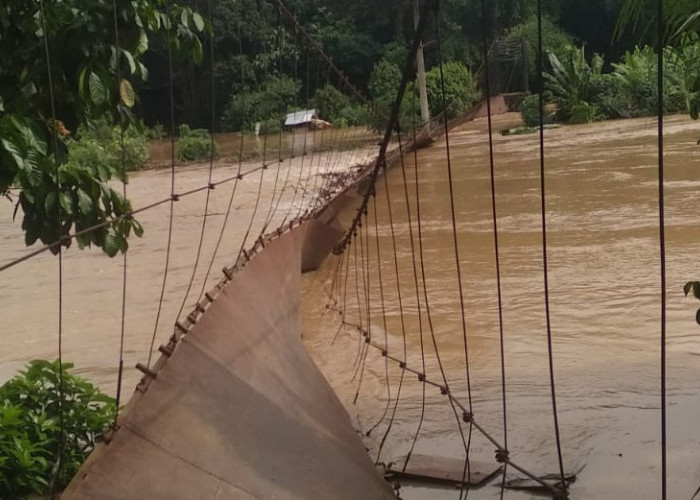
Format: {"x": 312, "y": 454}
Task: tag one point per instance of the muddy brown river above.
{"x": 604, "y": 291}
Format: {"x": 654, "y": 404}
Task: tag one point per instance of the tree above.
{"x": 680, "y": 16}
{"x": 88, "y": 77}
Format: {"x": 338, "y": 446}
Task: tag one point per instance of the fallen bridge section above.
{"x": 238, "y": 410}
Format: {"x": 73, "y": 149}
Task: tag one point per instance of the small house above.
{"x": 300, "y": 119}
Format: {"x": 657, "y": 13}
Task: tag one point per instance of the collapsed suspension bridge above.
{"x": 233, "y": 406}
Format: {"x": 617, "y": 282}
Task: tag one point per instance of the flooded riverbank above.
{"x": 604, "y": 288}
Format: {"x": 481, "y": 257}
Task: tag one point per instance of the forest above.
{"x": 191, "y": 68}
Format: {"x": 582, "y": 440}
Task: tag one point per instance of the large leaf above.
{"x": 198, "y": 21}
{"x": 127, "y": 94}
{"x": 98, "y": 92}
{"x": 84, "y": 202}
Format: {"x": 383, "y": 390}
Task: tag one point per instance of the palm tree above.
{"x": 680, "y": 16}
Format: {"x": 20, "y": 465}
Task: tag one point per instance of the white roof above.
{"x": 299, "y": 117}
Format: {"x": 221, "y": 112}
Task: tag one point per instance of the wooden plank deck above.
{"x": 443, "y": 469}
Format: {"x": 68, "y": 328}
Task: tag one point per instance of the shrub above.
{"x": 607, "y": 96}
{"x": 249, "y": 107}
{"x": 30, "y": 428}
{"x": 194, "y": 144}
{"x": 271, "y": 126}
{"x": 554, "y": 40}
{"x": 570, "y": 84}
{"x": 530, "y": 112}
{"x": 383, "y": 85}
{"x": 156, "y": 132}
{"x": 329, "y": 102}
{"x": 460, "y": 89}
{"x": 637, "y": 82}
{"x": 683, "y": 74}
{"x": 100, "y": 143}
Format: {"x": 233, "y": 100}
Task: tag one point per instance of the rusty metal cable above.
{"x": 384, "y": 322}
{"x": 120, "y": 364}
{"x": 494, "y": 217}
{"x": 662, "y": 239}
{"x": 54, "y": 144}
{"x": 409, "y": 220}
{"x": 419, "y": 227}
{"x": 402, "y": 318}
{"x": 195, "y": 267}
{"x": 552, "y": 385}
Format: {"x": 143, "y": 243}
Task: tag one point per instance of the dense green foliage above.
{"x": 452, "y": 90}
{"x": 91, "y": 78}
{"x": 272, "y": 100}
{"x": 31, "y": 436}
{"x": 194, "y": 144}
{"x": 262, "y": 71}
{"x": 582, "y": 92}
{"x": 554, "y": 41}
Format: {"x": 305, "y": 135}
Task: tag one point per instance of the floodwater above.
{"x": 604, "y": 293}
{"x": 92, "y": 282}
{"x": 604, "y": 286}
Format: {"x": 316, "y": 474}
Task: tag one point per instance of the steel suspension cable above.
{"x": 540, "y": 70}
{"x": 494, "y": 217}
{"x": 211, "y": 170}
{"x": 419, "y": 226}
{"x": 384, "y": 322}
{"x": 171, "y": 96}
{"x": 418, "y": 301}
{"x": 120, "y": 369}
{"x": 662, "y": 239}
{"x": 58, "y": 467}
{"x": 401, "y": 314}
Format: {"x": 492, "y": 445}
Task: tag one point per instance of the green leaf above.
{"x": 130, "y": 59}
{"x": 98, "y": 92}
{"x": 696, "y": 289}
{"x": 84, "y": 202}
{"x": 142, "y": 46}
{"x": 143, "y": 71}
{"x": 138, "y": 228}
{"x": 183, "y": 17}
{"x": 50, "y": 204}
{"x": 197, "y": 52}
{"x": 687, "y": 287}
{"x": 198, "y": 21}
{"x": 127, "y": 94}
{"x": 103, "y": 172}
{"x": 111, "y": 245}
{"x": 14, "y": 150}
{"x": 66, "y": 202}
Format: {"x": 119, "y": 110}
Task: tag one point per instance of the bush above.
{"x": 607, "y": 96}
{"x": 156, "y": 132}
{"x": 271, "y": 126}
{"x": 570, "y": 84}
{"x": 194, "y": 144}
{"x": 30, "y": 428}
{"x": 271, "y": 101}
{"x": 101, "y": 143}
{"x": 460, "y": 90}
{"x": 637, "y": 75}
{"x": 383, "y": 85}
{"x": 530, "y": 112}
{"x": 329, "y": 102}
{"x": 554, "y": 40}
